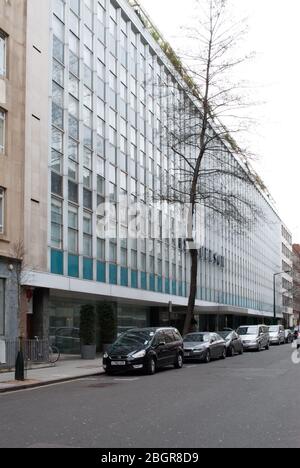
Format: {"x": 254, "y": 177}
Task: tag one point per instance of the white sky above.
{"x": 274, "y": 35}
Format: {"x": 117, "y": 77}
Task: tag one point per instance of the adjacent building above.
{"x": 12, "y": 137}
{"x": 296, "y": 286}
{"x": 83, "y": 122}
{"x": 287, "y": 277}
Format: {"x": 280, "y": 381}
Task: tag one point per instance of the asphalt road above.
{"x": 247, "y": 401}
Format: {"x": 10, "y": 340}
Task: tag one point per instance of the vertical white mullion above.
{"x": 66, "y": 133}
{"x": 80, "y": 156}
{"x": 94, "y": 144}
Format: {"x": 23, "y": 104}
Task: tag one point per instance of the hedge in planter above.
{"x": 88, "y": 332}
{"x": 107, "y": 323}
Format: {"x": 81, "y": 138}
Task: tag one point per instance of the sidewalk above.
{"x": 63, "y": 371}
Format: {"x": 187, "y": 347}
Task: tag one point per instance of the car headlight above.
{"x": 105, "y": 356}
{"x": 138, "y": 355}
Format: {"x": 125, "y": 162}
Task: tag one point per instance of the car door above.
{"x": 160, "y": 347}
{"x": 214, "y": 346}
{"x": 236, "y": 342}
{"x": 220, "y": 345}
{"x": 170, "y": 347}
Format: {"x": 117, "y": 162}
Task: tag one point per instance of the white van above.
{"x": 254, "y": 337}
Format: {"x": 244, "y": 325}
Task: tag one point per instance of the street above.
{"x": 245, "y": 401}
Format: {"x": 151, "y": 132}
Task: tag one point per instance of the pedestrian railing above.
{"x": 35, "y": 352}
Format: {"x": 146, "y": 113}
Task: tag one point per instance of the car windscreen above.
{"x": 224, "y": 334}
{"x": 247, "y": 331}
{"x": 135, "y": 338}
{"x": 196, "y": 338}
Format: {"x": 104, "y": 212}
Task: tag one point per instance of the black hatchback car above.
{"x": 145, "y": 349}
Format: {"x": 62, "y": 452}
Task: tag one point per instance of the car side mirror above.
{"x": 162, "y": 343}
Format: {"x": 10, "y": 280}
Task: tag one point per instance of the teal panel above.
{"x": 73, "y": 266}
{"x": 174, "y": 288}
{"x": 101, "y": 272}
{"x": 144, "y": 280}
{"x": 57, "y": 262}
{"x": 160, "y": 284}
{"x": 134, "y": 279}
{"x": 88, "y": 269}
{"x": 113, "y": 274}
{"x": 152, "y": 282}
{"x": 124, "y": 277}
{"x": 167, "y": 286}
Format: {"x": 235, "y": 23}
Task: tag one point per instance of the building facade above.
{"x": 296, "y": 287}
{"x": 287, "y": 277}
{"x": 12, "y": 136}
{"x": 92, "y": 140}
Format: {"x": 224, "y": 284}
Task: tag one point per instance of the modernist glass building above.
{"x": 106, "y": 121}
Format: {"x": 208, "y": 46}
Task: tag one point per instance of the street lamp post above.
{"x": 274, "y": 291}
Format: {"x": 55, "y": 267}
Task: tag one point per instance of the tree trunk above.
{"x": 193, "y": 291}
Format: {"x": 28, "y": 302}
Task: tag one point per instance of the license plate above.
{"x": 118, "y": 363}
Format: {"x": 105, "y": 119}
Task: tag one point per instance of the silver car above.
{"x": 277, "y": 335}
{"x": 234, "y": 344}
{"x": 254, "y": 337}
{"x": 204, "y": 347}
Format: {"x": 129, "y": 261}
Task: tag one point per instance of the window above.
{"x": 3, "y": 52}
{"x": 87, "y": 234}
{"x": 73, "y": 229}
{"x": 56, "y": 224}
{"x": 2, "y": 307}
{"x": 2, "y": 130}
{"x": 2, "y": 205}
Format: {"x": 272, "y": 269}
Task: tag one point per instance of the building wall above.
{"x": 12, "y": 101}
{"x": 296, "y": 273}
{"x": 107, "y": 110}
{"x": 287, "y": 278}
{"x": 37, "y": 134}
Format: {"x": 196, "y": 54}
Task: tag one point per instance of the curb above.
{"x": 48, "y": 383}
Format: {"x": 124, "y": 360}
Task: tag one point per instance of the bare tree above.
{"x": 18, "y": 253}
{"x": 209, "y": 170}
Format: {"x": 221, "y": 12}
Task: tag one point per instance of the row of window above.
{"x": 3, "y": 117}
{"x": 2, "y": 210}
{"x": 3, "y": 74}
{"x": 2, "y": 307}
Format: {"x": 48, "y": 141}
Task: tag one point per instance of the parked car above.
{"x": 277, "y": 335}
{"x": 289, "y": 336}
{"x": 145, "y": 349}
{"x": 234, "y": 344}
{"x": 296, "y": 333}
{"x": 254, "y": 337}
{"x": 298, "y": 341}
{"x": 204, "y": 347}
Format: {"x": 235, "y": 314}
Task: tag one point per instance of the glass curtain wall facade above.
{"x": 108, "y": 122}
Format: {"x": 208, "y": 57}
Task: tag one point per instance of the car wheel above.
{"x": 207, "y": 358}
{"x": 268, "y": 347}
{"x": 224, "y": 354}
{"x": 151, "y": 366}
{"x": 179, "y": 361}
{"x": 231, "y": 351}
{"x": 241, "y": 351}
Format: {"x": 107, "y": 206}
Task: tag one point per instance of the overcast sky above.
{"x": 274, "y": 35}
